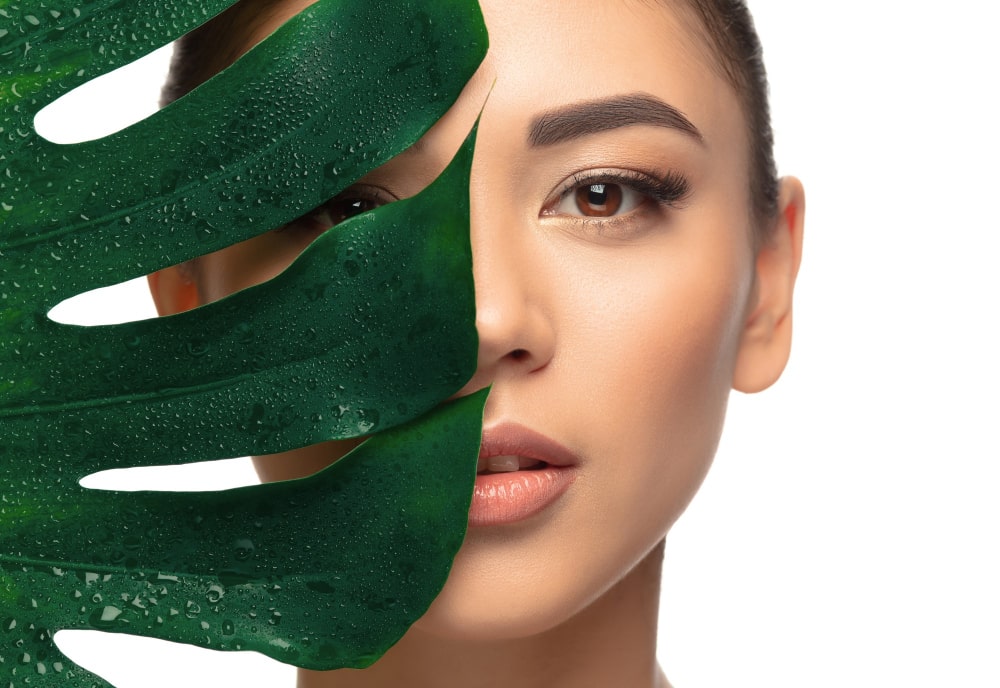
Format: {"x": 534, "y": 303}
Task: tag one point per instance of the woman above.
{"x": 634, "y": 260}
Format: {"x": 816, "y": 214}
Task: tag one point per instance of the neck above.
{"x": 611, "y": 642}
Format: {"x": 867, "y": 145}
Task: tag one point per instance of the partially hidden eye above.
{"x": 352, "y": 201}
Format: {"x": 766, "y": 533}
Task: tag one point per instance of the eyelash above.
{"x": 311, "y": 223}
{"x": 668, "y": 191}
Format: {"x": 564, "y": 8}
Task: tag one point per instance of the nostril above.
{"x": 518, "y": 354}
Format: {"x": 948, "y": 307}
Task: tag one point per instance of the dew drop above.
{"x": 215, "y": 593}
{"x": 104, "y": 617}
{"x": 367, "y": 420}
{"x": 244, "y": 549}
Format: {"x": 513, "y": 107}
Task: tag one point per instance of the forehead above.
{"x": 545, "y": 54}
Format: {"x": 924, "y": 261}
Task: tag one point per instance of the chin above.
{"x": 502, "y": 588}
{"x": 490, "y": 618}
{"x": 520, "y": 582}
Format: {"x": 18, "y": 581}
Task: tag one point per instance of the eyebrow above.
{"x": 591, "y": 117}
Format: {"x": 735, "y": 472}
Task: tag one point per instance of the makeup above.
{"x": 521, "y": 473}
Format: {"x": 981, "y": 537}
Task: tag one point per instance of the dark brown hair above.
{"x": 202, "y": 53}
{"x": 732, "y": 37}
{"x": 728, "y": 30}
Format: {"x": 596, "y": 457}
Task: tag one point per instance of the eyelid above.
{"x": 670, "y": 189}
{"x": 371, "y": 192}
{"x": 363, "y": 190}
{"x": 380, "y": 192}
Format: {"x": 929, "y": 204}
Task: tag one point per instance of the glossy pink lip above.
{"x": 501, "y": 498}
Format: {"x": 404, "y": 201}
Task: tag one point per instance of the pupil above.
{"x": 353, "y": 206}
{"x": 599, "y": 200}
{"x": 597, "y": 194}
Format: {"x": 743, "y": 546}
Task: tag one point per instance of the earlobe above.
{"x": 767, "y": 333}
{"x": 174, "y": 290}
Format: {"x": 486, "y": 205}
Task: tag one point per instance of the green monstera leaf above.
{"x": 367, "y": 333}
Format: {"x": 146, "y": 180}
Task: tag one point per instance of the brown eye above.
{"x": 348, "y": 203}
{"x": 615, "y": 203}
{"x": 599, "y": 200}
{"x": 342, "y": 207}
{"x": 600, "y": 197}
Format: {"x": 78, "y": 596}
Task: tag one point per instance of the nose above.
{"x": 516, "y": 331}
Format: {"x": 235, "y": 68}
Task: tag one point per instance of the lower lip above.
{"x": 501, "y": 498}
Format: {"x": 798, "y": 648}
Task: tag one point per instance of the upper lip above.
{"x": 511, "y": 439}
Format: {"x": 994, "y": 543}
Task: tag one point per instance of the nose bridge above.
{"x": 514, "y": 332}
{"x": 500, "y": 299}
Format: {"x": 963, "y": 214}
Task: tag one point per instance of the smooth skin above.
{"x": 618, "y": 335}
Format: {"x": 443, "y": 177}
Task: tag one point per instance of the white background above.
{"x": 848, "y": 532}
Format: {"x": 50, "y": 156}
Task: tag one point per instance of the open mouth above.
{"x": 521, "y": 472}
{"x": 508, "y": 464}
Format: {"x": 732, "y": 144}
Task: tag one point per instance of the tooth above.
{"x": 499, "y": 464}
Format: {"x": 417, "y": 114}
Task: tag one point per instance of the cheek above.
{"x": 300, "y": 463}
{"x": 245, "y": 264}
{"x": 666, "y": 327}
{"x": 645, "y": 339}
{"x": 660, "y": 345}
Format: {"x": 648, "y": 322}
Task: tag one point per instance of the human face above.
{"x": 610, "y": 318}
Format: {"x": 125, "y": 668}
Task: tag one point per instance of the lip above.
{"x": 501, "y": 498}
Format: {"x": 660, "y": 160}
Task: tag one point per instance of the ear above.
{"x": 767, "y": 332}
{"x": 174, "y": 289}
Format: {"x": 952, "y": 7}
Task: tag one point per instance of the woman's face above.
{"x": 615, "y": 277}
